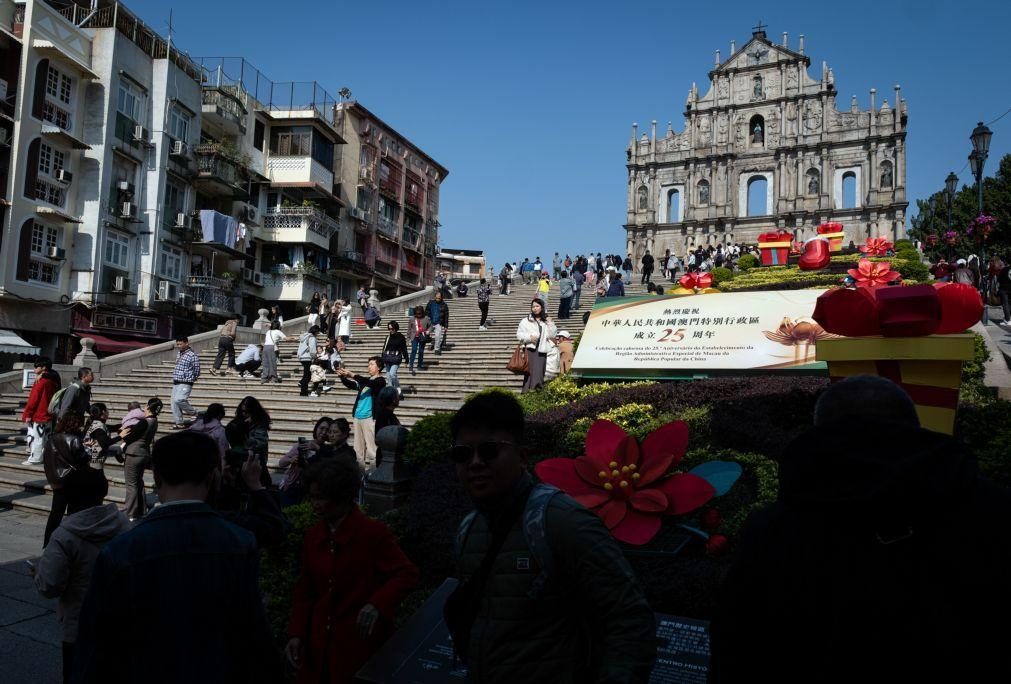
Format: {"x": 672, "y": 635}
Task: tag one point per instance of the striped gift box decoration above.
{"x": 834, "y": 233}
{"x": 775, "y": 248}
{"x": 928, "y": 368}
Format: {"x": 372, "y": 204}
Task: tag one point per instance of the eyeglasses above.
{"x": 486, "y": 451}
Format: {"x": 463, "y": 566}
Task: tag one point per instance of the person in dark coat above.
{"x": 176, "y": 598}
{"x": 63, "y": 459}
{"x": 885, "y": 557}
{"x": 352, "y": 578}
{"x": 647, "y": 266}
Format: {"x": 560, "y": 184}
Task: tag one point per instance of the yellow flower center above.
{"x": 613, "y": 464}
{"x": 608, "y": 486}
{"x": 602, "y": 474}
{"x": 635, "y": 476}
{"x": 623, "y": 483}
{"x": 631, "y": 466}
{"x": 615, "y": 473}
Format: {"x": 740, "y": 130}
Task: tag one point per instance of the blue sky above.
{"x": 530, "y": 104}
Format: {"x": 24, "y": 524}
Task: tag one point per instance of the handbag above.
{"x": 518, "y": 362}
{"x": 389, "y": 358}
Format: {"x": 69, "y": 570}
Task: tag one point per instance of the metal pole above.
{"x": 984, "y": 268}
{"x": 950, "y": 249}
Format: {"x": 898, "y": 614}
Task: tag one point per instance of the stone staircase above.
{"x": 473, "y": 361}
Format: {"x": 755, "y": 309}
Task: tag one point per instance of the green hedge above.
{"x": 721, "y": 274}
{"x": 747, "y": 262}
{"x": 279, "y": 569}
{"x": 428, "y": 441}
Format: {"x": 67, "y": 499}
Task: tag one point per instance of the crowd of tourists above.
{"x": 992, "y": 279}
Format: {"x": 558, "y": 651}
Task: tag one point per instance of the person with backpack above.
{"x": 64, "y": 570}
{"x": 647, "y": 267}
{"x": 1003, "y": 279}
{"x": 63, "y": 460}
{"x": 372, "y": 317}
{"x": 210, "y": 424}
{"x": 562, "y": 605}
{"x": 36, "y": 414}
{"x": 75, "y": 397}
{"x": 306, "y": 353}
{"x": 419, "y": 332}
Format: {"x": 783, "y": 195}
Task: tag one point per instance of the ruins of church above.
{"x": 767, "y": 148}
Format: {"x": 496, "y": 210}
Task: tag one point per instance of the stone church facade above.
{"x": 769, "y": 138}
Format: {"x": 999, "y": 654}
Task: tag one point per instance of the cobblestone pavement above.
{"x": 30, "y": 648}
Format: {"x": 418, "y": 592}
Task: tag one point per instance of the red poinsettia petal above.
{"x": 661, "y": 449}
{"x": 628, "y": 452}
{"x": 562, "y": 473}
{"x": 594, "y": 499}
{"x": 637, "y": 528}
{"x": 613, "y": 512}
{"x": 855, "y": 274}
{"x": 602, "y": 441}
{"x": 648, "y": 501}
{"x": 589, "y": 471}
{"x": 685, "y": 492}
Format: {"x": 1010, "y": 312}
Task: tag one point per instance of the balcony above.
{"x": 211, "y": 295}
{"x": 217, "y": 174}
{"x": 387, "y": 226}
{"x": 410, "y": 238}
{"x": 223, "y": 106}
{"x": 288, "y": 284}
{"x": 350, "y": 263}
{"x": 367, "y": 173}
{"x": 306, "y": 224}
{"x": 304, "y": 172}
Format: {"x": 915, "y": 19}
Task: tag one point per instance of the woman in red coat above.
{"x": 352, "y": 578}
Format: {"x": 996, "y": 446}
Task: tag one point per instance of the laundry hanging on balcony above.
{"x": 218, "y": 227}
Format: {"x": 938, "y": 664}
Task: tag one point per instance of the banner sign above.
{"x": 698, "y": 335}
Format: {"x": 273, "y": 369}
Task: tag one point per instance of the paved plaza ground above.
{"x": 29, "y": 632}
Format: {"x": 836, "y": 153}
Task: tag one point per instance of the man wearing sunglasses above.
{"x": 546, "y": 594}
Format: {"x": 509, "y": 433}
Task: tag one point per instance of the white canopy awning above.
{"x": 11, "y": 343}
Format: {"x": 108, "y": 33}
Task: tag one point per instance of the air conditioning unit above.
{"x": 257, "y": 278}
{"x": 168, "y": 291}
{"x": 121, "y": 284}
{"x": 185, "y": 300}
{"x": 140, "y": 134}
{"x": 182, "y": 220}
{"x": 64, "y": 176}
{"x": 359, "y": 214}
{"x": 249, "y": 213}
{"x": 178, "y": 148}
{"x": 247, "y": 274}
{"x": 126, "y": 187}
{"x": 57, "y": 253}
{"x": 128, "y": 210}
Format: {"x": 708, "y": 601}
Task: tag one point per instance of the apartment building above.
{"x": 461, "y": 264}
{"x": 146, "y": 194}
{"x": 392, "y": 189}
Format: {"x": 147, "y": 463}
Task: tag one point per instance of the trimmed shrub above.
{"x": 899, "y": 244}
{"x": 429, "y": 440}
{"x": 985, "y": 429}
{"x": 973, "y": 390}
{"x": 721, "y": 274}
{"x": 746, "y": 262}
{"x": 912, "y": 270}
{"x": 630, "y": 416}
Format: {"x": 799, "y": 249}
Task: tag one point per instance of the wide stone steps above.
{"x": 472, "y": 361}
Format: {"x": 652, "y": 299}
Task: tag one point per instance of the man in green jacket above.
{"x": 546, "y": 594}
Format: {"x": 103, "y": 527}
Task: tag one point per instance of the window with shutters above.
{"x": 117, "y": 250}
{"x": 54, "y": 96}
{"x": 41, "y": 268}
{"x": 179, "y": 124}
{"x": 175, "y": 200}
{"x": 170, "y": 263}
{"x": 47, "y": 188}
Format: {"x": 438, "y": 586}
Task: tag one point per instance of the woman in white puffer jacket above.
{"x": 535, "y": 333}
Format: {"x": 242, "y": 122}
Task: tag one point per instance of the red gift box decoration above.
{"x": 961, "y": 307}
{"x": 851, "y": 313}
{"x": 693, "y": 281}
{"x": 775, "y": 248}
{"x": 908, "y": 311}
{"x": 834, "y": 233}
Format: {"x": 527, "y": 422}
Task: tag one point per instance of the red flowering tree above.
{"x": 630, "y": 484}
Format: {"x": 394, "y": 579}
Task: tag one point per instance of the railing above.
{"x": 351, "y": 255}
{"x": 411, "y": 237}
{"x": 215, "y": 293}
{"x": 230, "y": 107}
{"x": 310, "y": 218}
{"x": 367, "y": 172}
{"x": 123, "y": 20}
{"x": 57, "y": 115}
{"x": 213, "y": 164}
{"x": 387, "y": 225}
{"x": 50, "y": 191}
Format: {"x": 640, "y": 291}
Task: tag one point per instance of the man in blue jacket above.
{"x": 179, "y": 590}
{"x": 438, "y": 312}
{"x": 617, "y": 288}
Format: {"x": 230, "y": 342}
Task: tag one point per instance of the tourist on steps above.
{"x": 137, "y": 455}
{"x": 271, "y": 340}
{"x": 438, "y": 314}
{"x": 483, "y": 299}
{"x": 535, "y": 333}
{"x": 394, "y": 353}
{"x": 297, "y": 458}
{"x": 249, "y": 431}
{"x": 186, "y": 372}
{"x": 226, "y": 345}
{"x": 36, "y": 413}
{"x": 64, "y": 458}
{"x": 420, "y": 330}
{"x": 368, "y": 387}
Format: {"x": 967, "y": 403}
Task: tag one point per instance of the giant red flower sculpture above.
{"x": 878, "y": 246}
{"x": 696, "y": 281}
{"x": 870, "y": 274}
{"x": 626, "y": 483}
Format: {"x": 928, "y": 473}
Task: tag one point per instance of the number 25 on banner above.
{"x": 671, "y": 335}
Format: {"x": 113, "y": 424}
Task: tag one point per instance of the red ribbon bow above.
{"x": 696, "y": 281}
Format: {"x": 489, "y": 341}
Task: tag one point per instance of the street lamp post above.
{"x": 950, "y": 186}
{"x": 977, "y": 159}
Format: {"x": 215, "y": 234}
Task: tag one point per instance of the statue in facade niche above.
{"x": 703, "y": 192}
{"x": 643, "y": 198}
{"x": 813, "y": 183}
{"x": 757, "y": 135}
{"x": 886, "y": 176}
{"x": 723, "y": 89}
{"x": 812, "y": 116}
{"x": 757, "y": 93}
{"x": 791, "y": 79}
